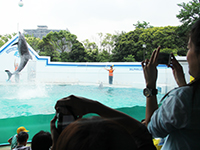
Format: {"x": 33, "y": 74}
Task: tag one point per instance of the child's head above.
{"x": 22, "y": 138}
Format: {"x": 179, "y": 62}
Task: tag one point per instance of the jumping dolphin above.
{"x": 23, "y": 53}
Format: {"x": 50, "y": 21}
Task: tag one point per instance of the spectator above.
{"x": 177, "y": 118}
{"x": 13, "y": 139}
{"x": 22, "y": 138}
{"x": 41, "y": 141}
{"x": 113, "y": 130}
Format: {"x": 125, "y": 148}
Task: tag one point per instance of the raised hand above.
{"x": 150, "y": 70}
{"x": 177, "y": 71}
{"x": 78, "y": 105}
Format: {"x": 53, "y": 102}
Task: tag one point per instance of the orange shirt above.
{"x": 111, "y": 72}
{"x": 16, "y": 66}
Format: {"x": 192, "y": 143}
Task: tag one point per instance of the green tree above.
{"x": 46, "y": 49}
{"x": 33, "y": 42}
{"x": 61, "y": 41}
{"x": 77, "y": 53}
{"x": 129, "y": 58}
{"x": 127, "y": 45}
{"x": 131, "y": 44}
{"x": 143, "y": 25}
{"x": 91, "y": 51}
{"x": 61, "y": 46}
{"x": 189, "y": 13}
{"x": 103, "y": 56}
{"x": 108, "y": 42}
{"x": 166, "y": 37}
{"x": 5, "y": 38}
{"x": 1, "y": 43}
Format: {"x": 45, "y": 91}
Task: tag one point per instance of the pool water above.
{"x": 32, "y": 106}
{"x": 27, "y": 100}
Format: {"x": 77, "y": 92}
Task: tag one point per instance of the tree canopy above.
{"x": 189, "y": 13}
{"x": 135, "y": 45}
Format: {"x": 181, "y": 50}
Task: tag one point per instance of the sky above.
{"x": 86, "y": 18}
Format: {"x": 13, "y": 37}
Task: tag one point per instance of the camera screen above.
{"x": 164, "y": 58}
{"x": 66, "y": 120}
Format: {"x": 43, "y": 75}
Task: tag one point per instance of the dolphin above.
{"x": 23, "y": 53}
{"x": 101, "y": 85}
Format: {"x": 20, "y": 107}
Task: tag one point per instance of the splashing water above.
{"x": 27, "y": 100}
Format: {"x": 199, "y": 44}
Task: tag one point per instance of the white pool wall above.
{"x": 41, "y": 70}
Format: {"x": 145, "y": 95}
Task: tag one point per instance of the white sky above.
{"x": 86, "y": 18}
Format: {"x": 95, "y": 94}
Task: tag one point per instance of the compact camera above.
{"x": 63, "y": 120}
{"x": 164, "y": 58}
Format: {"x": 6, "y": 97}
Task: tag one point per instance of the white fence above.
{"x": 40, "y": 69}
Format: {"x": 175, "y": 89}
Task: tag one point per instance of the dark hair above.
{"x": 95, "y": 133}
{"x": 41, "y": 141}
{"x": 22, "y": 137}
{"x": 195, "y": 39}
{"x": 195, "y": 36}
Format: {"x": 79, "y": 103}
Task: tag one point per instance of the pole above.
{"x": 144, "y": 46}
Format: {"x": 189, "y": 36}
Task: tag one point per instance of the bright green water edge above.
{"x": 36, "y": 123}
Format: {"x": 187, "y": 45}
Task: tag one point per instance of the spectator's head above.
{"x": 195, "y": 36}
{"x": 193, "y": 54}
{"x": 21, "y": 129}
{"x": 95, "y": 134}
{"x": 22, "y": 138}
{"x": 41, "y": 141}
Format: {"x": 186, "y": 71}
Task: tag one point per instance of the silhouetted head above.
{"x": 193, "y": 54}
{"x": 22, "y": 137}
{"x": 95, "y": 134}
{"x": 195, "y": 36}
{"x": 41, "y": 141}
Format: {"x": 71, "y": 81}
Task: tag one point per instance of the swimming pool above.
{"x": 32, "y": 105}
{"x": 25, "y": 100}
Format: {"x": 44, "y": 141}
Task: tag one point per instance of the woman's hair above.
{"x": 195, "y": 36}
{"x": 41, "y": 141}
{"x": 195, "y": 39}
{"x": 95, "y": 133}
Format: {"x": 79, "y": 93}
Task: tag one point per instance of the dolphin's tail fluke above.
{"x": 9, "y": 74}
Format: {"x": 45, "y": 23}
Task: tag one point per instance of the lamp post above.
{"x": 144, "y": 46}
{"x": 20, "y": 3}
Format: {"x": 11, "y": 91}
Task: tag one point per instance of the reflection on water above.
{"x": 110, "y": 90}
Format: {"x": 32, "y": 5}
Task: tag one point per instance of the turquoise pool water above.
{"x": 32, "y": 106}
{"x": 27, "y": 100}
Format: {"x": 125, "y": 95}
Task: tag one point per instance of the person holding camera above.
{"x": 111, "y": 130}
{"x": 177, "y": 118}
